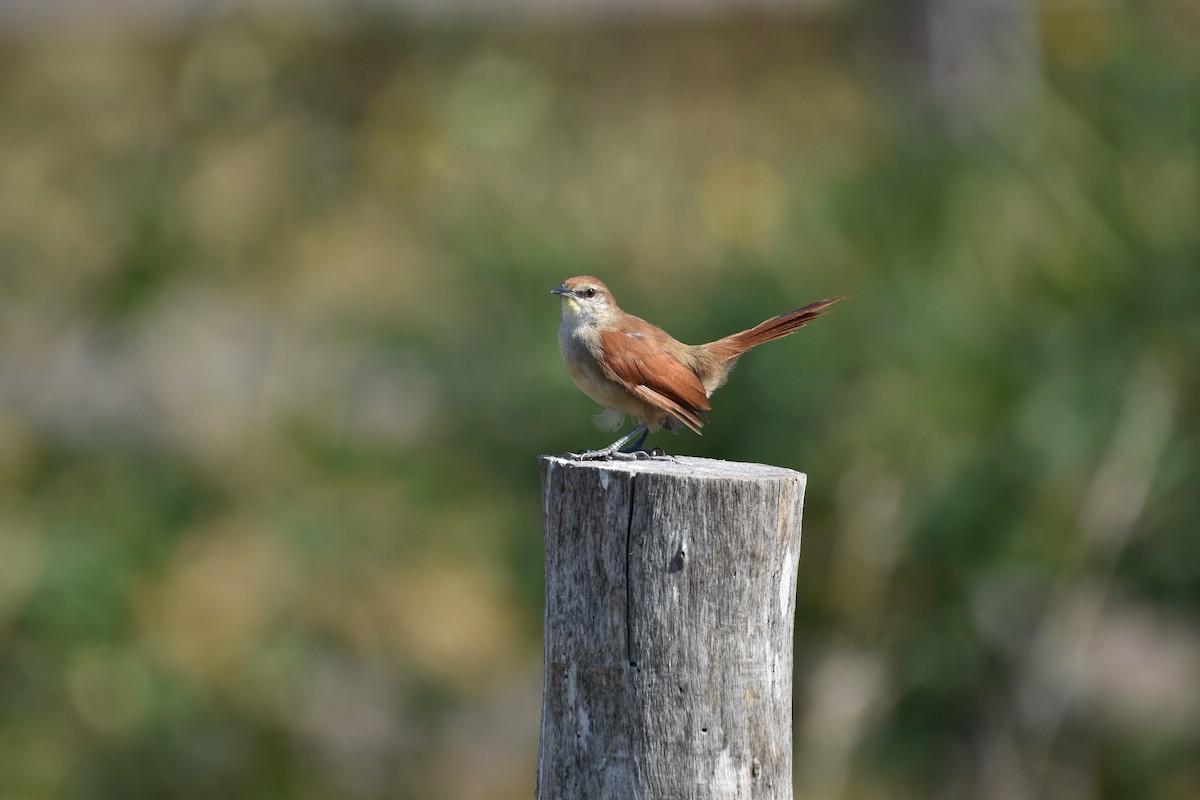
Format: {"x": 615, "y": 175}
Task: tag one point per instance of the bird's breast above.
{"x": 581, "y": 353}
{"x": 580, "y": 347}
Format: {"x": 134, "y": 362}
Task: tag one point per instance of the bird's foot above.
{"x": 614, "y": 451}
{"x": 597, "y": 455}
{"x": 637, "y": 455}
{"x": 657, "y": 452}
{"x": 586, "y": 455}
{"x": 619, "y": 455}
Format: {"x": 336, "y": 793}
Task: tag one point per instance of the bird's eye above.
{"x": 589, "y": 292}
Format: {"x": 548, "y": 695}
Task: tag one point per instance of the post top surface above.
{"x": 681, "y": 466}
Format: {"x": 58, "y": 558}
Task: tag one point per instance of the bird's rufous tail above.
{"x": 771, "y": 329}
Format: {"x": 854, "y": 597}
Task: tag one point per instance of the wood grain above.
{"x": 670, "y": 597}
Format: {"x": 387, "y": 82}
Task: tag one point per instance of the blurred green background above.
{"x": 277, "y": 356}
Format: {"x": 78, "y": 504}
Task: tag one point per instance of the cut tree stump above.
{"x": 670, "y": 599}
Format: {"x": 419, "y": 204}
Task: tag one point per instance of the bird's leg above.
{"x": 633, "y": 448}
{"x": 614, "y": 449}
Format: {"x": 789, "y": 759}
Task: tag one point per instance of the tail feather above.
{"x": 771, "y": 329}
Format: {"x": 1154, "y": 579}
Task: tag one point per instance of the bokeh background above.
{"x": 277, "y": 356}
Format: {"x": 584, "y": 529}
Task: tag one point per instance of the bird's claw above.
{"x": 619, "y": 455}
{"x": 589, "y": 455}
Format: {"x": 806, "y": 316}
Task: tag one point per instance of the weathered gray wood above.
{"x": 670, "y": 598}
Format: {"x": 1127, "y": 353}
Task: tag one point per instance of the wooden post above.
{"x": 670, "y": 600}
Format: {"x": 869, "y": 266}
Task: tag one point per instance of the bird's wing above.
{"x": 637, "y": 360}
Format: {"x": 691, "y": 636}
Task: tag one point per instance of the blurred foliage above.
{"x": 277, "y": 355}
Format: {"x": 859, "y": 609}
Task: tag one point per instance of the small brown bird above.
{"x": 633, "y": 368}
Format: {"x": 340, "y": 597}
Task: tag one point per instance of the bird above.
{"x": 636, "y": 369}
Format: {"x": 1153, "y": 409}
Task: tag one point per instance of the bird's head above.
{"x": 586, "y": 298}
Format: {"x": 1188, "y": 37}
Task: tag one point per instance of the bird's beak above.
{"x": 562, "y": 290}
